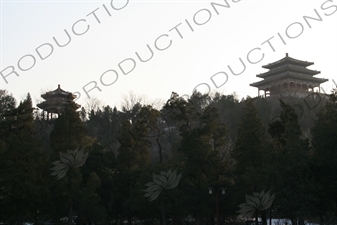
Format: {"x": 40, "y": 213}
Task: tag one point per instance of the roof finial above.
{"x": 58, "y": 86}
{"x": 286, "y": 54}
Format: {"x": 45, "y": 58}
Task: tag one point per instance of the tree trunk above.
{"x": 160, "y": 150}
{"x": 19, "y": 218}
{"x": 293, "y": 221}
{"x": 176, "y": 219}
{"x": 163, "y": 214}
{"x": 217, "y": 209}
{"x": 321, "y": 221}
{"x": 264, "y": 217}
{"x": 198, "y": 218}
{"x": 256, "y": 218}
{"x": 212, "y": 219}
{"x": 301, "y": 221}
{"x": 37, "y": 218}
{"x": 70, "y": 210}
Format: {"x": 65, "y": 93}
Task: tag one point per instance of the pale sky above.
{"x": 195, "y": 41}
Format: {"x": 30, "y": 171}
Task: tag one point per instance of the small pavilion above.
{"x": 56, "y": 101}
{"x": 288, "y": 77}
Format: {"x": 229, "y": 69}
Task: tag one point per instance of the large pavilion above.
{"x": 288, "y": 77}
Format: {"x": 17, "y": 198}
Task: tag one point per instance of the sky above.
{"x": 155, "y": 47}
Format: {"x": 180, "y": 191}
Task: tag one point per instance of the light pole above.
{"x": 216, "y": 190}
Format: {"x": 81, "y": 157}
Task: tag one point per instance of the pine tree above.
{"x": 324, "y": 158}
{"x": 133, "y": 156}
{"x": 252, "y": 154}
{"x": 69, "y": 133}
{"x": 247, "y": 151}
{"x": 203, "y": 137}
{"x": 293, "y": 181}
{"x": 22, "y": 165}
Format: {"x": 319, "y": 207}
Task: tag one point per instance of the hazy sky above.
{"x": 194, "y": 44}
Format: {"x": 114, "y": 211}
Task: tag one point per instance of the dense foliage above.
{"x": 243, "y": 146}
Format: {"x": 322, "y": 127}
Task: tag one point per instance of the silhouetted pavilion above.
{"x": 288, "y": 77}
{"x": 56, "y": 101}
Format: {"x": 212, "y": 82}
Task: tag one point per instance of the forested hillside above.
{"x": 93, "y": 165}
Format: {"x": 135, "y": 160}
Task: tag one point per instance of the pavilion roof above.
{"x": 288, "y": 67}
{"x": 287, "y": 60}
{"x": 285, "y": 75}
{"x": 58, "y": 93}
{"x": 53, "y": 107}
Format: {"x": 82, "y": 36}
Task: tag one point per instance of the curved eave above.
{"x": 77, "y": 106}
{"x": 42, "y": 105}
{"x": 288, "y": 60}
{"x": 50, "y": 106}
{"x": 65, "y": 95}
{"x": 289, "y": 75}
{"x": 289, "y": 68}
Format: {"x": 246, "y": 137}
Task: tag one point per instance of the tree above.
{"x": 89, "y": 209}
{"x": 203, "y": 136}
{"x": 7, "y": 102}
{"x": 100, "y": 167}
{"x": 22, "y": 165}
{"x": 151, "y": 120}
{"x": 7, "y": 114}
{"x": 230, "y": 110}
{"x": 293, "y": 184}
{"x": 69, "y": 133}
{"x": 162, "y": 182}
{"x": 255, "y": 204}
{"x": 132, "y": 158}
{"x": 104, "y": 124}
{"x": 248, "y": 150}
{"x": 251, "y": 153}
{"x": 324, "y": 158}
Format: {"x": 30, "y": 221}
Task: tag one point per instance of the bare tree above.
{"x": 158, "y": 104}
{"x": 129, "y": 101}
{"x": 92, "y": 104}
